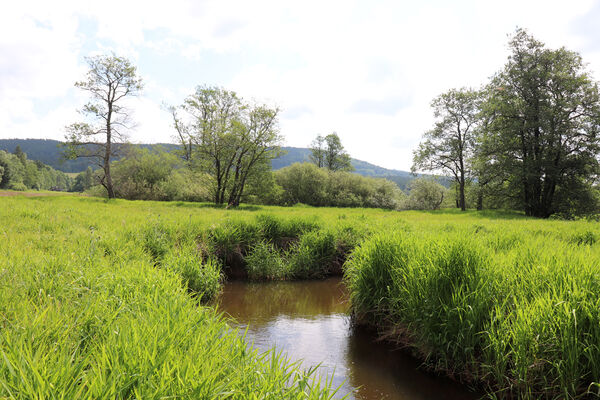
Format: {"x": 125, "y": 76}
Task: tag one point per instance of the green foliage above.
{"x": 228, "y": 138}
{"x": 265, "y": 262}
{"x": 507, "y": 303}
{"x": 425, "y": 194}
{"x": 540, "y": 144}
{"x": 87, "y": 314}
{"x": 328, "y": 152}
{"x": 140, "y": 175}
{"x": 306, "y": 183}
{"x": 449, "y": 145}
{"x": 19, "y": 173}
{"x": 83, "y": 181}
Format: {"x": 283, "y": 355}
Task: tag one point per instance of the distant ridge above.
{"x": 49, "y": 152}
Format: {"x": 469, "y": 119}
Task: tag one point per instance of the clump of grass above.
{"x": 313, "y": 255}
{"x": 519, "y": 320}
{"x": 278, "y": 230}
{"x": 265, "y": 263}
{"x": 158, "y": 239}
{"x": 584, "y": 238}
{"x": 202, "y": 277}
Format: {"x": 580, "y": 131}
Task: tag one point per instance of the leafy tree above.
{"x": 542, "y": 140}
{"x": 328, "y": 152}
{"x": 20, "y": 155}
{"x": 230, "y": 139}
{"x": 449, "y": 145}
{"x": 109, "y": 82}
{"x": 83, "y": 180}
{"x": 317, "y": 151}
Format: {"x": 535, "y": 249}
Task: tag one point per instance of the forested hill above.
{"x": 49, "y": 152}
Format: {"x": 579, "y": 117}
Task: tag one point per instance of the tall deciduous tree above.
{"x": 328, "y": 152}
{"x": 543, "y": 136}
{"x": 232, "y": 139}
{"x": 109, "y": 82}
{"x": 317, "y": 151}
{"x": 449, "y": 145}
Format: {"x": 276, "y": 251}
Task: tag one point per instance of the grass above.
{"x": 513, "y": 305}
{"x": 87, "y": 312}
{"x": 105, "y": 299}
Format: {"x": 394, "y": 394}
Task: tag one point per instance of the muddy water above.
{"x": 308, "y": 320}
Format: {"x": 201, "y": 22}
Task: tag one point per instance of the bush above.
{"x": 306, "y": 183}
{"x": 425, "y": 194}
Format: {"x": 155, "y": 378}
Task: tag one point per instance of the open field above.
{"x": 101, "y": 299}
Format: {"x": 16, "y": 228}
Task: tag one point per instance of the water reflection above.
{"x": 308, "y": 321}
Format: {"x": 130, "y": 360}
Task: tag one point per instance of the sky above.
{"x": 367, "y": 70}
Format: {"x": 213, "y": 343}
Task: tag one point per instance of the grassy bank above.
{"x": 86, "y": 312}
{"x": 513, "y": 304}
{"x": 103, "y": 299}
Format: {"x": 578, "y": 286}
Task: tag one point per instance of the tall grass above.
{"x": 93, "y": 306}
{"x": 103, "y": 299}
{"x": 511, "y": 305}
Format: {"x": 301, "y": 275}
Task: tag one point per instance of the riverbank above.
{"x": 510, "y": 306}
{"x": 86, "y": 313}
{"x": 100, "y": 299}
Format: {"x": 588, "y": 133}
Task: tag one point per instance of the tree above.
{"x": 109, "y": 82}
{"x": 317, "y": 151}
{"x": 20, "y": 155}
{"x": 542, "y": 139}
{"x": 449, "y": 145}
{"x": 328, "y": 152}
{"x": 231, "y": 139}
{"x": 83, "y": 181}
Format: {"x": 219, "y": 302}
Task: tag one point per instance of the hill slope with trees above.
{"x": 49, "y": 152}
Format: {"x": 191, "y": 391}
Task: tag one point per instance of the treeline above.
{"x": 157, "y": 174}
{"x": 19, "y": 173}
{"x": 527, "y": 140}
{"x": 226, "y": 145}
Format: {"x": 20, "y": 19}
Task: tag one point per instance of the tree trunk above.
{"x": 480, "y": 198}
{"x": 462, "y": 192}
{"x": 109, "y": 184}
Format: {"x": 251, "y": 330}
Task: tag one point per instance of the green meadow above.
{"x": 111, "y": 299}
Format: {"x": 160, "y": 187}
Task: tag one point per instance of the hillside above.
{"x": 49, "y": 152}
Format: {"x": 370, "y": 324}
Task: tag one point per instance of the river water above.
{"x": 309, "y": 321}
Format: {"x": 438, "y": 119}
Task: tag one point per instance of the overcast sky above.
{"x": 367, "y": 70}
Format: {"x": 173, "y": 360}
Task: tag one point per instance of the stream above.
{"x": 309, "y": 321}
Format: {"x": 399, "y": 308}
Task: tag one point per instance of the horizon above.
{"x": 367, "y": 72}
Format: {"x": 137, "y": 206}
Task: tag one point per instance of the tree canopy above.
{"x": 229, "y": 138}
{"x": 328, "y": 152}
{"x": 449, "y": 145}
{"x": 542, "y": 139}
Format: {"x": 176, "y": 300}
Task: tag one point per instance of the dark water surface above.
{"x": 308, "y": 320}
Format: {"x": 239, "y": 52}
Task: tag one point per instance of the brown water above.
{"x": 308, "y": 320}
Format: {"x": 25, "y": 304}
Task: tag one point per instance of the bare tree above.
{"x": 109, "y": 81}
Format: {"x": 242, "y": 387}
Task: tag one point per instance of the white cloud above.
{"x": 367, "y": 70}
